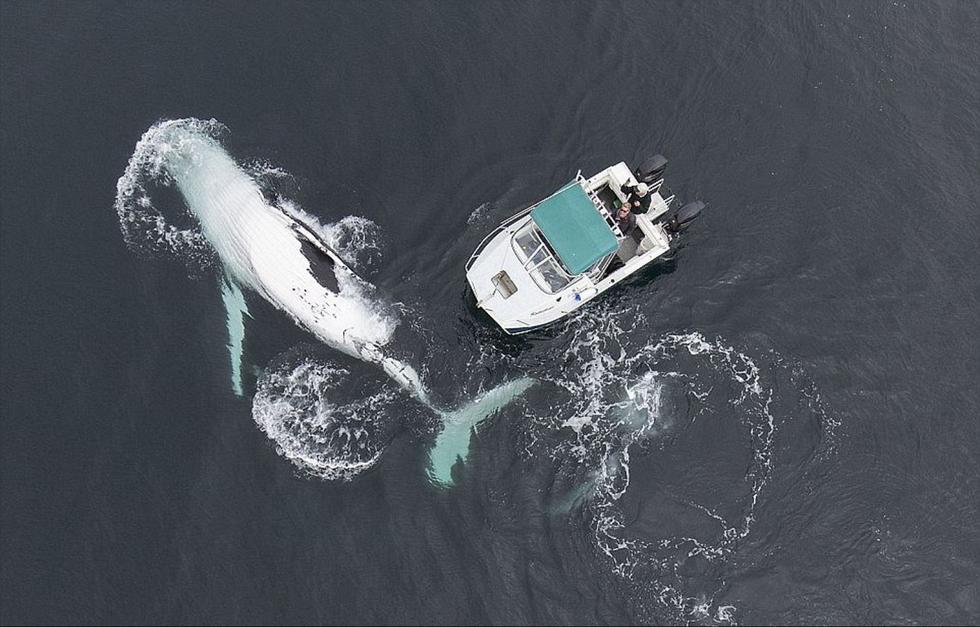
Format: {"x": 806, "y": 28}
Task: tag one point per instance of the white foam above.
{"x": 143, "y": 225}
{"x": 324, "y": 439}
{"x": 619, "y": 398}
{"x": 355, "y": 238}
{"x": 478, "y": 214}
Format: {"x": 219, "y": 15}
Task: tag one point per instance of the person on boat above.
{"x": 625, "y": 219}
{"x": 638, "y": 196}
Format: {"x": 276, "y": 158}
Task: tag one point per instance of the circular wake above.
{"x": 711, "y": 415}
{"x": 297, "y": 405}
{"x": 153, "y": 218}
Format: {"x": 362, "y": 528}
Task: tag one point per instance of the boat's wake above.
{"x": 710, "y": 412}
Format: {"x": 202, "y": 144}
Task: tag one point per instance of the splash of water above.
{"x": 621, "y": 398}
{"x": 324, "y": 439}
{"x": 357, "y": 240}
{"x": 144, "y": 225}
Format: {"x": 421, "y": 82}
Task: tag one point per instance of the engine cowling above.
{"x": 683, "y": 217}
{"x": 651, "y": 169}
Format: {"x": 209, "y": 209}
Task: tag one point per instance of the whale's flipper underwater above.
{"x": 235, "y": 311}
{"x": 269, "y": 251}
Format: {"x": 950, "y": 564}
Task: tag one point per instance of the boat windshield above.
{"x": 539, "y": 261}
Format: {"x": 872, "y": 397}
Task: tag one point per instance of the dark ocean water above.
{"x": 837, "y": 146}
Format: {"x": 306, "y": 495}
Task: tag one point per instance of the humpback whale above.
{"x": 274, "y": 253}
{"x": 280, "y": 258}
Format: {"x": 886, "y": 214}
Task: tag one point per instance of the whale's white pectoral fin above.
{"x": 235, "y": 312}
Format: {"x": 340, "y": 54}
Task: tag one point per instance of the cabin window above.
{"x": 539, "y": 261}
{"x": 553, "y": 276}
{"x": 527, "y": 242}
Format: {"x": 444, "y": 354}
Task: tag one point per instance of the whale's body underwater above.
{"x": 272, "y": 251}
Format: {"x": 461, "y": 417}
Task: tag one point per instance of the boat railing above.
{"x": 599, "y": 205}
{"x": 483, "y": 244}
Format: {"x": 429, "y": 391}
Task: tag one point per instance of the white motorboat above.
{"x": 553, "y": 257}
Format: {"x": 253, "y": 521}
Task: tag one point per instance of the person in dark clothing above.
{"x": 638, "y": 196}
{"x": 625, "y": 219}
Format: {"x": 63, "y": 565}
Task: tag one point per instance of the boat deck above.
{"x": 609, "y": 199}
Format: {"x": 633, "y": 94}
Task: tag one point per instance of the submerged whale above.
{"x": 273, "y": 252}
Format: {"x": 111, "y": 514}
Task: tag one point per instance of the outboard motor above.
{"x": 652, "y": 169}
{"x": 683, "y": 217}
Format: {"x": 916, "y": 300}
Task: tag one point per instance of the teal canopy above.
{"x": 574, "y": 228}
